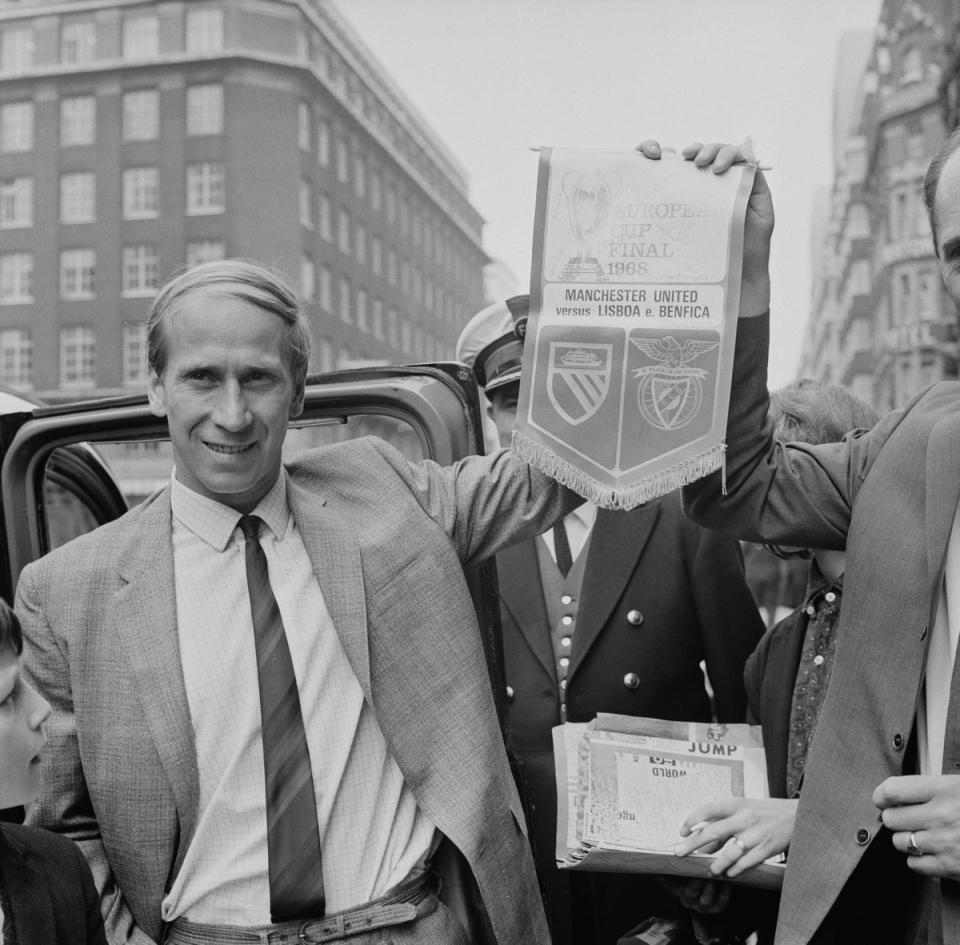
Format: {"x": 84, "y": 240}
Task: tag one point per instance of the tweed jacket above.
{"x": 889, "y": 496}
{"x": 659, "y": 594}
{"x": 387, "y": 541}
{"x": 46, "y": 889}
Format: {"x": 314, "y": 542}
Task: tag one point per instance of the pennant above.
{"x": 634, "y": 296}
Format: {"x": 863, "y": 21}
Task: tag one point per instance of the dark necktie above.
{"x": 293, "y": 836}
{"x": 561, "y": 545}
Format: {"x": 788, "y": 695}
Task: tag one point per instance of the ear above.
{"x": 156, "y": 395}
{"x": 296, "y": 401}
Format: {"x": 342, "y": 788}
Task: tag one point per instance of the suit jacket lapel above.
{"x": 27, "y": 894}
{"x": 616, "y": 542}
{"x": 335, "y": 556}
{"x": 143, "y": 614}
{"x": 943, "y": 489}
{"x": 518, "y": 575}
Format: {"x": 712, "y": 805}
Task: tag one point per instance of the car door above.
{"x": 67, "y": 469}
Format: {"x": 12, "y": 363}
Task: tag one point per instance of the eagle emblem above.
{"x": 669, "y": 393}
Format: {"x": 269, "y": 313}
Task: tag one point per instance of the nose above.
{"x": 231, "y": 411}
{"x": 38, "y": 709}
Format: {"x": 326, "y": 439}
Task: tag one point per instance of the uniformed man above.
{"x": 608, "y": 612}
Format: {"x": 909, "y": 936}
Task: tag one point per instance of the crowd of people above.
{"x": 249, "y": 709}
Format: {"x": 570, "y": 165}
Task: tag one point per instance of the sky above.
{"x": 495, "y": 78}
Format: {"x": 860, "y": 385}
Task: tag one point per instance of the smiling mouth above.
{"x": 229, "y": 450}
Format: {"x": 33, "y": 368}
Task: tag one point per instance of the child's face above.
{"x": 22, "y": 712}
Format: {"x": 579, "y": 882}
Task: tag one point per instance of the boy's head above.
{"x": 22, "y": 713}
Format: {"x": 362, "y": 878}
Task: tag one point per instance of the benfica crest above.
{"x": 670, "y": 394}
{"x": 578, "y": 378}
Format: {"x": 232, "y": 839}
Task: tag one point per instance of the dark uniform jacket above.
{"x": 659, "y": 594}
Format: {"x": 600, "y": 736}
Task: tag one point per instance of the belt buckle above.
{"x": 305, "y": 938}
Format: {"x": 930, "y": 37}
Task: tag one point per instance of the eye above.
{"x": 11, "y": 698}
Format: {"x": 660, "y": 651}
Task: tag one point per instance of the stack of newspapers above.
{"x": 625, "y": 785}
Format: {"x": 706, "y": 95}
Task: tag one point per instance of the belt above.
{"x": 401, "y": 904}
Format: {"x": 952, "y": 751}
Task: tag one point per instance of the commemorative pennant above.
{"x": 634, "y": 295}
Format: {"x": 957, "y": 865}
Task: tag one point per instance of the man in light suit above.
{"x": 621, "y": 627}
{"x": 876, "y": 846}
{"x": 140, "y": 635}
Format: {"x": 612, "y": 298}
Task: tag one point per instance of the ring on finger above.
{"x": 913, "y": 848}
{"x": 743, "y": 847}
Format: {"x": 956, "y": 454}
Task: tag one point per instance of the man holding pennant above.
{"x": 875, "y": 854}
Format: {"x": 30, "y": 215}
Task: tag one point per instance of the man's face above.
{"x": 22, "y": 713}
{"x": 503, "y": 410}
{"x": 227, "y": 392}
{"x": 946, "y": 208}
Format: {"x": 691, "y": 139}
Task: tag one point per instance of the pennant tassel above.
{"x": 627, "y": 497}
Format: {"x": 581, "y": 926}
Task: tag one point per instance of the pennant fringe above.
{"x": 629, "y": 496}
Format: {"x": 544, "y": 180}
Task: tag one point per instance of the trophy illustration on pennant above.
{"x": 589, "y": 197}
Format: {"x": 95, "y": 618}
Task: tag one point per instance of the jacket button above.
{"x": 898, "y": 741}
{"x": 631, "y": 680}
{"x": 863, "y": 836}
{"x": 634, "y": 618}
{"x": 509, "y": 693}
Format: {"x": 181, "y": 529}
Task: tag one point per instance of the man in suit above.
{"x": 621, "y": 624}
{"x": 331, "y": 585}
{"x": 872, "y": 839}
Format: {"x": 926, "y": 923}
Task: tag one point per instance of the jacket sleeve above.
{"x": 64, "y": 804}
{"x": 729, "y": 621}
{"x": 791, "y": 494}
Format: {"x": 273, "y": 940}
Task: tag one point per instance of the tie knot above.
{"x": 250, "y": 526}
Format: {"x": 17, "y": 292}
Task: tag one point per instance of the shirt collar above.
{"x": 586, "y": 513}
{"x": 216, "y": 523}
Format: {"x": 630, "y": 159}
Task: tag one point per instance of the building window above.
{"x": 204, "y": 30}
{"x": 392, "y": 328}
{"x": 16, "y": 127}
{"x": 360, "y": 176}
{"x": 201, "y": 251}
{"x": 405, "y": 344}
{"x": 16, "y": 50}
{"x": 78, "y": 197}
{"x": 376, "y": 256}
{"x": 78, "y": 357}
{"x": 323, "y": 143}
{"x": 135, "y": 354}
{"x": 78, "y": 42}
{"x": 345, "y": 300}
{"x": 325, "y": 294}
{"x": 361, "y": 310}
{"x": 76, "y": 273}
{"x": 391, "y": 204}
{"x": 361, "y": 244}
{"x": 205, "y": 109}
{"x": 378, "y": 319}
{"x": 141, "y": 270}
{"x": 343, "y": 232}
{"x": 16, "y": 358}
{"x": 391, "y": 267}
{"x": 16, "y": 202}
{"x": 141, "y": 115}
{"x": 141, "y": 193}
{"x": 141, "y": 36}
{"x": 343, "y": 161}
{"x": 325, "y": 213}
{"x": 16, "y": 278}
{"x": 375, "y": 191}
{"x": 306, "y": 204}
{"x": 78, "y": 120}
{"x": 308, "y": 285}
{"x": 304, "y": 129}
{"x": 205, "y": 187}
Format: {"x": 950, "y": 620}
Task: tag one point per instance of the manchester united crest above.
{"x": 670, "y": 393}
{"x": 578, "y": 378}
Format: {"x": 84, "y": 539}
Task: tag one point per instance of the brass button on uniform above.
{"x": 565, "y": 641}
{"x": 898, "y": 741}
{"x": 631, "y": 681}
{"x": 566, "y": 620}
{"x": 863, "y": 836}
{"x": 563, "y": 684}
{"x": 829, "y": 597}
{"x": 566, "y": 599}
{"x": 634, "y": 618}
{"x": 509, "y": 693}
{"x": 564, "y": 661}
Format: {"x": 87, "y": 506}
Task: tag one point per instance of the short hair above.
{"x": 931, "y": 181}
{"x": 810, "y": 411}
{"x": 242, "y": 279}
{"x": 11, "y": 636}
